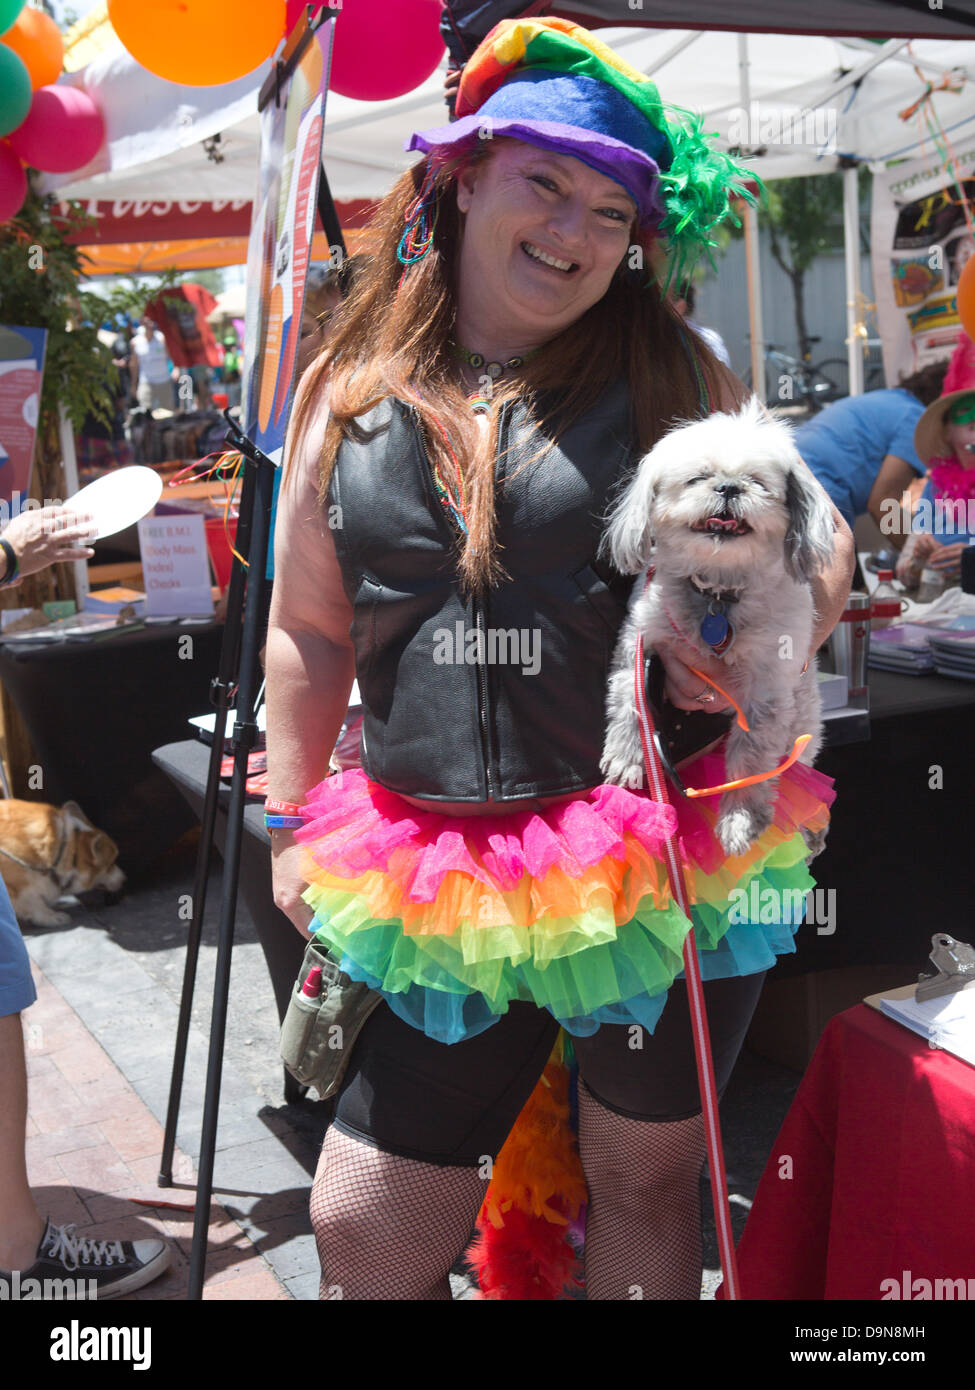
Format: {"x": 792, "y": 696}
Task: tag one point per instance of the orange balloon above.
{"x": 198, "y": 43}
{"x": 36, "y": 40}
{"x": 966, "y": 297}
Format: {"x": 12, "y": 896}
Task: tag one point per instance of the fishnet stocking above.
{"x": 643, "y": 1229}
{"x": 389, "y": 1227}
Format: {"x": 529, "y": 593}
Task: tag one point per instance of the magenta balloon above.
{"x": 63, "y": 130}
{"x": 385, "y": 48}
{"x": 13, "y": 182}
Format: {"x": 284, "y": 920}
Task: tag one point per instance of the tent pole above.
{"x": 851, "y": 238}
{"x": 752, "y": 266}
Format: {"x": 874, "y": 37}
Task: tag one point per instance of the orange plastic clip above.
{"x": 740, "y": 719}
{"x": 796, "y": 753}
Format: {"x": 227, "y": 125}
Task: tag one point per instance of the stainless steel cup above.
{"x": 850, "y": 644}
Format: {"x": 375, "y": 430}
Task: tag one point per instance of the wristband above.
{"x": 283, "y": 822}
{"x": 281, "y": 808}
{"x": 13, "y": 565}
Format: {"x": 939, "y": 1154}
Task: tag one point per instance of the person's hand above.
{"x": 452, "y": 81}
{"x": 683, "y": 687}
{"x": 923, "y": 545}
{"x": 288, "y": 881}
{"x": 948, "y": 557}
{"x": 49, "y": 536}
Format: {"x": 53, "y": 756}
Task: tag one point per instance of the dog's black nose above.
{"x": 727, "y": 490}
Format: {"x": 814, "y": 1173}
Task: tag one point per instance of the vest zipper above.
{"x": 482, "y": 701}
{"x": 477, "y": 611}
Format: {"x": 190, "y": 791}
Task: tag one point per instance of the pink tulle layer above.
{"x": 368, "y": 828}
{"x": 356, "y": 827}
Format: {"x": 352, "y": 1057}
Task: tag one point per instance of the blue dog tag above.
{"x": 714, "y": 628}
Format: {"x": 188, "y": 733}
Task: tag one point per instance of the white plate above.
{"x": 119, "y": 499}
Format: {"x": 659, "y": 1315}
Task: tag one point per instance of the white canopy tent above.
{"x": 794, "y": 105}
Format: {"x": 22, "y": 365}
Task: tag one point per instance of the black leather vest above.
{"x": 501, "y": 696}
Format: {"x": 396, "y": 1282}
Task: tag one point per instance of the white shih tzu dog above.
{"x": 736, "y": 527}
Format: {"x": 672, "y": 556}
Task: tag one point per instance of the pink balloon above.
{"x": 63, "y": 130}
{"x": 294, "y": 8}
{"x": 385, "y": 48}
{"x": 13, "y": 182}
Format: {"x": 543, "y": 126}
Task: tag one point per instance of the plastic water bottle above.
{"x": 885, "y": 602}
{"x": 932, "y": 585}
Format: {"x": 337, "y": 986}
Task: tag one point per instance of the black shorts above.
{"x": 454, "y": 1105}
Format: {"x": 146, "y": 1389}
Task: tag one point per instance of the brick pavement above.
{"x": 93, "y": 1150}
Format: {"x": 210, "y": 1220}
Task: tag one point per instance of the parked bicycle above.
{"x": 799, "y": 381}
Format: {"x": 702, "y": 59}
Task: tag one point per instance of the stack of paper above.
{"x": 945, "y": 645}
{"x": 954, "y": 652}
{"x": 901, "y": 647}
{"x": 947, "y": 1022}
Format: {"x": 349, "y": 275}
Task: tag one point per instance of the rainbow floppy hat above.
{"x": 553, "y": 84}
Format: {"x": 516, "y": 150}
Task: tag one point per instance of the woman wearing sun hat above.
{"x": 501, "y": 367}
{"x": 944, "y": 438}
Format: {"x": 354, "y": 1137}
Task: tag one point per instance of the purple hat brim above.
{"x": 633, "y": 170}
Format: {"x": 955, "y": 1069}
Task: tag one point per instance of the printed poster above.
{"x": 921, "y": 243}
{"x": 21, "y": 371}
{"x": 280, "y": 241}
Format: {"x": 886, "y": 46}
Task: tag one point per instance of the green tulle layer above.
{"x": 614, "y": 965}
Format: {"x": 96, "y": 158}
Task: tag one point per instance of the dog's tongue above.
{"x": 722, "y": 523}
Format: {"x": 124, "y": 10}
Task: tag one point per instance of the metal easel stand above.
{"x": 237, "y": 676}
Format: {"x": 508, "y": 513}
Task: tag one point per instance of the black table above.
{"x": 96, "y": 709}
{"x": 186, "y": 765}
{"x": 895, "y": 856}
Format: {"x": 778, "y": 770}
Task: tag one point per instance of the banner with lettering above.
{"x": 921, "y": 240}
{"x": 21, "y": 369}
{"x": 280, "y": 242}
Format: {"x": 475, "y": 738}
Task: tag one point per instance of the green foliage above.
{"x": 802, "y": 218}
{"x": 41, "y": 275}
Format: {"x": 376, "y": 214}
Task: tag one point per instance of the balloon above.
{"x": 14, "y": 90}
{"x": 9, "y": 10}
{"x": 36, "y": 40}
{"x": 63, "y": 131}
{"x": 966, "y": 297}
{"x": 294, "y": 9}
{"x": 13, "y": 182}
{"x": 198, "y": 43}
{"x": 385, "y": 48}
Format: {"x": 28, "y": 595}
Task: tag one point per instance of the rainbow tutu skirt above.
{"x": 453, "y": 918}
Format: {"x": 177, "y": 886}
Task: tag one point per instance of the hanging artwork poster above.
{"x": 21, "y": 371}
{"x": 280, "y": 241}
{"x": 921, "y": 241}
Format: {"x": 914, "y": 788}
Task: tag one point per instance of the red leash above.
{"x": 695, "y": 995}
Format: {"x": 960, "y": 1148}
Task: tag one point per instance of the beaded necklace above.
{"x": 480, "y": 401}
{"x": 449, "y": 482}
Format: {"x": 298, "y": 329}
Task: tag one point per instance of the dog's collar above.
{"x": 51, "y": 872}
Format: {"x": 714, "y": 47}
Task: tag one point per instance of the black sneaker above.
{"x": 91, "y": 1268}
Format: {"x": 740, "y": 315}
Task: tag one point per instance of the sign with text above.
{"x": 175, "y": 566}
{"x": 921, "y": 241}
{"x": 21, "y": 368}
{"x": 280, "y": 242}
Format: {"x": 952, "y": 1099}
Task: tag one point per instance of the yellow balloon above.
{"x": 198, "y": 43}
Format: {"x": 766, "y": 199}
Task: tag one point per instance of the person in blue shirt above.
{"x": 862, "y": 450}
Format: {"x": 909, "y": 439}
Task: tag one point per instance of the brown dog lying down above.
{"x": 48, "y": 851}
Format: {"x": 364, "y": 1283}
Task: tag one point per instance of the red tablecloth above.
{"x": 880, "y": 1143}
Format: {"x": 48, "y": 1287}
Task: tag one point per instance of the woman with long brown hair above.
{"x": 495, "y": 377}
